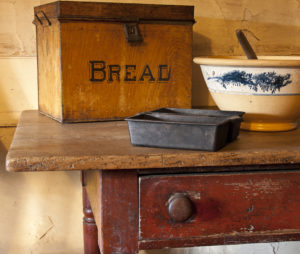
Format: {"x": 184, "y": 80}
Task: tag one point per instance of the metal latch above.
{"x": 132, "y": 32}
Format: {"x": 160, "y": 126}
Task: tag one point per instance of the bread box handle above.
{"x": 40, "y": 19}
{"x": 132, "y": 32}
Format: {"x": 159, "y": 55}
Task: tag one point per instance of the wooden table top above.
{"x": 42, "y": 144}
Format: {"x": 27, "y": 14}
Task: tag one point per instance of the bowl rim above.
{"x": 265, "y": 61}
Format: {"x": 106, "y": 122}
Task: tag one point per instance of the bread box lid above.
{"x": 114, "y": 12}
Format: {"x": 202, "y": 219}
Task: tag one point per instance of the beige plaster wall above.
{"x": 41, "y": 212}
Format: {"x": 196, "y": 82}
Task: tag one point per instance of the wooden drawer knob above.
{"x": 180, "y": 207}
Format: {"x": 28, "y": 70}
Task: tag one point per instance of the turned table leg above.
{"x": 90, "y": 231}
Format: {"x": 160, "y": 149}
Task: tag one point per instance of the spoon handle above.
{"x": 249, "y": 52}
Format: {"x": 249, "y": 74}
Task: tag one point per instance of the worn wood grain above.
{"x": 84, "y": 100}
{"x": 114, "y": 200}
{"x": 42, "y": 144}
{"x": 226, "y": 207}
{"x": 49, "y": 69}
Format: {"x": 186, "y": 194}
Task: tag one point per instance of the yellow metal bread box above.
{"x": 101, "y": 61}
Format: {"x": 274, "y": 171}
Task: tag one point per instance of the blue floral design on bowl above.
{"x": 266, "y": 81}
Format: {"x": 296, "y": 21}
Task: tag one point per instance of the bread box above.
{"x": 102, "y": 61}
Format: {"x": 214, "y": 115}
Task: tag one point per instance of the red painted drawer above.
{"x": 223, "y": 204}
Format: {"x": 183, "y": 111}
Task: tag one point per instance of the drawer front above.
{"x": 204, "y": 205}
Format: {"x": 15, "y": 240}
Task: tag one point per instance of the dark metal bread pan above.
{"x": 178, "y": 131}
{"x": 235, "y": 117}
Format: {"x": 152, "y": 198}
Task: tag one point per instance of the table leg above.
{"x": 114, "y": 198}
{"x": 90, "y": 231}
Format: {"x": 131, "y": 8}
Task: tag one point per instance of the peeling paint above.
{"x": 194, "y": 195}
{"x": 265, "y": 186}
{"x": 251, "y": 209}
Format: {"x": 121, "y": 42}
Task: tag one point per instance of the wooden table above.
{"x": 149, "y": 198}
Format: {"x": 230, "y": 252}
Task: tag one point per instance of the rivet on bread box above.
{"x": 103, "y": 61}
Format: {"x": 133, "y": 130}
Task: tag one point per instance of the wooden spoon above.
{"x": 249, "y": 52}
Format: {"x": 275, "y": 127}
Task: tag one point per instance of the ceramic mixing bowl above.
{"x": 267, "y": 89}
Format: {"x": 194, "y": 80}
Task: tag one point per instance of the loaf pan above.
{"x": 175, "y": 130}
{"x": 235, "y": 117}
